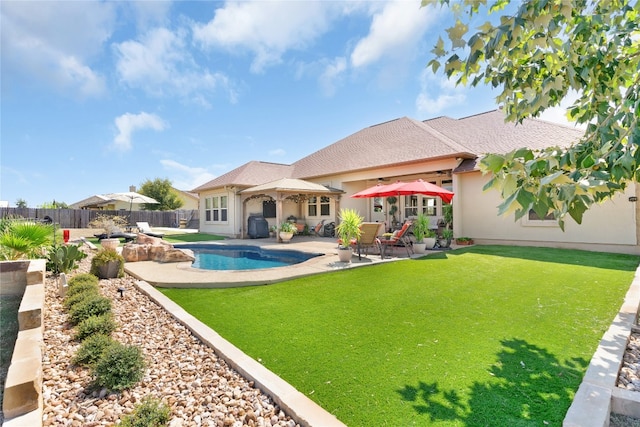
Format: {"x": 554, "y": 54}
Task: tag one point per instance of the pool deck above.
{"x": 182, "y": 275}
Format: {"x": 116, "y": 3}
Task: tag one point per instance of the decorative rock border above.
{"x": 22, "y": 402}
{"x": 598, "y": 395}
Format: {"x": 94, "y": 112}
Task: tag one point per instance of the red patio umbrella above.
{"x": 400, "y": 188}
{"x": 426, "y": 188}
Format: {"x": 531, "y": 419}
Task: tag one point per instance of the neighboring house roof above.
{"x": 96, "y": 200}
{"x": 189, "y": 194}
{"x": 249, "y": 174}
{"x": 398, "y": 141}
{"x": 489, "y": 133}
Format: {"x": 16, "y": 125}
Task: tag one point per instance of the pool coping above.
{"x": 182, "y": 275}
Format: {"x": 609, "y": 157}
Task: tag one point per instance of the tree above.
{"x": 536, "y": 56}
{"x": 21, "y": 203}
{"x": 54, "y": 205}
{"x": 163, "y": 192}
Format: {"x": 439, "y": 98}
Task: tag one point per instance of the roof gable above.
{"x": 398, "y": 141}
{"x": 489, "y": 133}
{"x": 248, "y": 175}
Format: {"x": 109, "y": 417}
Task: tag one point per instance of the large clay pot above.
{"x": 285, "y": 236}
{"x": 109, "y": 270}
{"x": 344, "y": 254}
{"x": 430, "y": 242}
{"x": 110, "y": 243}
{"x": 420, "y": 248}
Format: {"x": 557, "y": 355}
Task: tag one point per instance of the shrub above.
{"x": 92, "y": 325}
{"x": 119, "y": 367}
{"x": 92, "y": 305}
{"x": 81, "y": 278}
{"x": 105, "y": 256}
{"x": 70, "y": 301}
{"x": 149, "y": 413}
{"x": 92, "y": 348}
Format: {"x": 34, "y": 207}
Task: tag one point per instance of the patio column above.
{"x": 279, "y": 197}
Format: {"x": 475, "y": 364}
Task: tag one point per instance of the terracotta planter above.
{"x": 110, "y": 243}
{"x": 464, "y": 242}
{"x": 344, "y": 254}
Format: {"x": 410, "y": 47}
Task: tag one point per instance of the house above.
{"x": 189, "y": 200}
{"x": 441, "y": 150}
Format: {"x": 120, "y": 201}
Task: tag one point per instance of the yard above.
{"x": 483, "y": 336}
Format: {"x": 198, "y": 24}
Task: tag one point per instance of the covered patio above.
{"x": 287, "y": 189}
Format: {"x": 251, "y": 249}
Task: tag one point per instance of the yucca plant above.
{"x": 349, "y": 227}
{"x": 20, "y": 239}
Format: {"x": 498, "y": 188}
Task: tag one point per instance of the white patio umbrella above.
{"x": 131, "y": 197}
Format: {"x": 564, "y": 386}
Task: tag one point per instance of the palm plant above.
{"x": 20, "y": 239}
{"x": 349, "y": 227}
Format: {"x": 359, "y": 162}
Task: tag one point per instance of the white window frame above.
{"x": 527, "y": 221}
{"x": 319, "y": 202}
{"x": 214, "y": 208}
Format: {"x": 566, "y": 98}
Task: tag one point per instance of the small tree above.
{"x": 539, "y": 53}
{"x": 21, "y": 203}
{"x": 163, "y": 192}
{"x": 109, "y": 223}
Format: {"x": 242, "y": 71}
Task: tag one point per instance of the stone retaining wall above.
{"x": 598, "y": 396}
{"x": 22, "y": 403}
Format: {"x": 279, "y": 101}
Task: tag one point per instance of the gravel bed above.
{"x": 199, "y": 388}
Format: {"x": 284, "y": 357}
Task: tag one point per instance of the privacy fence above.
{"x": 80, "y": 218}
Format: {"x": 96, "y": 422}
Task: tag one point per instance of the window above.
{"x": 429, "y": 206}
{"x": 215, "y": 209}
{"x": 533, "y": 220}
{"x": 321, "y": 204}
{"x": 410, "y": 206}
{"x": 269, "y": 208}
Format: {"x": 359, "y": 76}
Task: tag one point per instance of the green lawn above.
{"x": 495, "y": 335}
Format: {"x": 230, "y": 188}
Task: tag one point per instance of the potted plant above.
{"x": 420, "y": 231}
{"x": 392, "y": 208}
{"x": 273, "y": 230}
{"x": 464, "y": 241}
{"x": 446, "y": 237}
{"x": 107, "y": 264}
{"x": 347, "y": 230}
{"x": 110, "y": 224}
{"x": 286, "y": 231}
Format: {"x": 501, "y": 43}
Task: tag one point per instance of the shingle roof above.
{"x": 248, "y": 175}
{"x": 398, "y": 141}
{"x": 488, "y": 133}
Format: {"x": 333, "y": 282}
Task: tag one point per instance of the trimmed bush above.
{"x": 92, "y": 348}
{"x": 82, "y": 278}
{"x": 119, "y": 367}
{"x": 149, "y": 413}
{"x": 71, "y": 300}
{"x": 102, "y": 324}
{"x": 92, "y": 305}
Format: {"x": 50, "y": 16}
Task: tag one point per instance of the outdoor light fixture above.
{"x": 121, "y": 292}
{"x": 633, "y": 199}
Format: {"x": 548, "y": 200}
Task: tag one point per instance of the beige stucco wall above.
{"x": 232, "y": 226}
{"x": 612, "y": 223}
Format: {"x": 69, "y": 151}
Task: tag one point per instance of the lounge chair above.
{"x": 369, "y": 232}
{"x": 399, "y": 238}
{"x": 118, "y": 234}
{"x": 144, "y": 228}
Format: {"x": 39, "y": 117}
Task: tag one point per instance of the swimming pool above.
{"x": 243, "y": 257}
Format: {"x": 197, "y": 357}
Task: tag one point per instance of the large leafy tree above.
{"x": 537, "y": 54}
{"x": 163, "y": 192}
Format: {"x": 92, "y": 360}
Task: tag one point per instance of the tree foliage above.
{"x": 536, "y": 56}
{"x": 163, "y": 192}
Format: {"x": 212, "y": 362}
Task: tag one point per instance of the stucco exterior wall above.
{"x": 612, "y": 223}
{"x": 231, "y": 227}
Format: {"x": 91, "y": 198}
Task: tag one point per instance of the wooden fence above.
{"x": 80, "y": 218}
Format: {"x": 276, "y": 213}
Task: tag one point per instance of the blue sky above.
{"x": 98, "y": 96}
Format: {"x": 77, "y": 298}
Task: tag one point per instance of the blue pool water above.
{"x": 243, "y": 257}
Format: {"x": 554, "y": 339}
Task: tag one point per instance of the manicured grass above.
{"x": 496, "y": 336}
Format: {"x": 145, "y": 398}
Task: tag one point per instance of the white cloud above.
{"x": 332, "y": 72}
{"x": 129, "y": 123}
{"x": 278, "y": 152}
{"x": 438, "y": 93}
{"x": 395, "y": 31}
{"x": 160, "y": 64}
{"x": 53, "y": 43}
{"x": 559, "y": 114}
{"x": 185, "y": 177}
{"x": 266, "y": 28}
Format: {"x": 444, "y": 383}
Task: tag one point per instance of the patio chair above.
{"x": 317, "y": 228}
{"x": 399, "y": 238}
{"x": 369, "y": 232}
{"x": 144, "y": 228}
{"x": 118, "y": 234}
